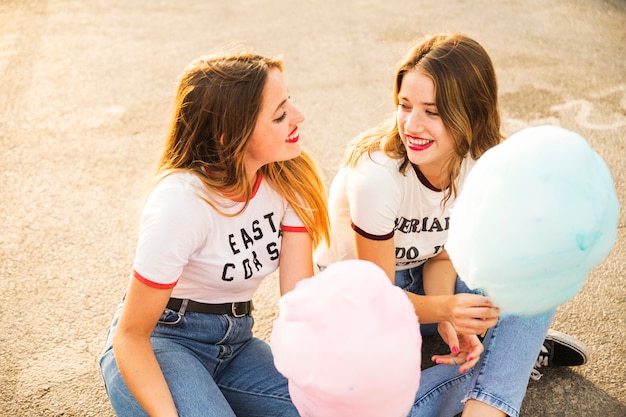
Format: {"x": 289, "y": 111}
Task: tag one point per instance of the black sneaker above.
{"x": 559, "y": 349}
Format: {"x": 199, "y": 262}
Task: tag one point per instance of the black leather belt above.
{"x": 239, "y": 309}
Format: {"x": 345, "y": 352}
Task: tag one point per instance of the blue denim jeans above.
{"x": 213, "y": 367}
{"x": 500, "y": 378}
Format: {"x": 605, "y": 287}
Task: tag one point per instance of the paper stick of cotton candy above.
{"x": 536, "y": 214}
{"x": 349, "y": 343}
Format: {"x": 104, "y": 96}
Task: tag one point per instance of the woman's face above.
{"x": 275, "y": 136}
{"x": 428, "y": 142}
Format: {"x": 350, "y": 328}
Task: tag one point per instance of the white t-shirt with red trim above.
{"x": 205, "y": 256}
{"x": 377, "y": 201}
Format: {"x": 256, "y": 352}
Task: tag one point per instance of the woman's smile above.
{"x": 415, "y": 143}
{"x": 294, "y": 136}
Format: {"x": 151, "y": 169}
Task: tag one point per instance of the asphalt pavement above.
{"x": 85, "y": 98}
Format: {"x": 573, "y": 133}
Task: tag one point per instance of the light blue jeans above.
{"x": 212, "y": 365}
{"x": 500, "y": 378}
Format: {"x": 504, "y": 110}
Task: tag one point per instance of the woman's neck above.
{"x": 253, "y": 178}
{"x": 436, "y": 180}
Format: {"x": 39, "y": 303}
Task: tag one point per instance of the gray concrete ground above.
{"x": 85, "y": 97}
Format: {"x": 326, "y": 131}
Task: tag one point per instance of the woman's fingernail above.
{"x": 438, "y": 361}
{"x": 469, "y": 358}
{"x": 455, "y": 349}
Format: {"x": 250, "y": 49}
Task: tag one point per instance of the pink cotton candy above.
{"x": 349, "y": 343}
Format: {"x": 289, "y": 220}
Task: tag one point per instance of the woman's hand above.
{"x": 466, "y": 353}
{"x": 448, "y": 334}
{"x": 471, "y": 313}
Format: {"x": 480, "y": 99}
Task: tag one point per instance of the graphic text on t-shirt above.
{"x": 260, "y": 229}
{"x": 425, "y": 224}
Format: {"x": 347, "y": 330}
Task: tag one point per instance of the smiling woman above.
{"x": 423, "y": 128}
{"x": 275, "y": 136}
{"x": 392, "y": 203}
{"x": 234, "y": 197}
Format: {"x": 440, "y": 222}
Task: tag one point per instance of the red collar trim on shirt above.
{"x": 424, "y": 180}
{"x": 257, "y": 184}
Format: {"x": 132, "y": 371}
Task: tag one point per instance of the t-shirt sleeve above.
{"x": 170, "y": 231}
{"x": 374, "y": 197}
{"x": 291, "y": 222}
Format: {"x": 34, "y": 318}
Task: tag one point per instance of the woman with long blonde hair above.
{"x": 391, "y": 203}
{"x": 234, "y": 199}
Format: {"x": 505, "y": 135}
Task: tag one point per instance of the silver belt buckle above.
{"x": 234, "y": 310}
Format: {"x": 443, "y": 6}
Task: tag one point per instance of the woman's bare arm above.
{"x": 133, "y": 351}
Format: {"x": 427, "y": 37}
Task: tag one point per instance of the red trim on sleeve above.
{"x": 153, "y": 284}
{"x": 299, "y": 229}
{"x": 370, "y": 236}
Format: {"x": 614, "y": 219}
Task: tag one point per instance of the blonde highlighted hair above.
{"x": 216, "y": 107}
{"x": 466, "y": 96}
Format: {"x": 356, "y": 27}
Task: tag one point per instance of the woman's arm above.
{"x": 469, "y": 313}
{"x": 439, "y": 275}
{"x": 442, "y": 306}
{"x": 296, "y": 259}
{"x": 439, "y": 278}
{"x": 382, "y": 253}
{"x": 133, "y": 352}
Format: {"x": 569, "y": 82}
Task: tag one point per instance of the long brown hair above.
{"x": 466, "y": 96}
{"x": 216, "y": 107}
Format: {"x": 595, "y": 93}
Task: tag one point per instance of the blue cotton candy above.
{"x": 536, "y": 214}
